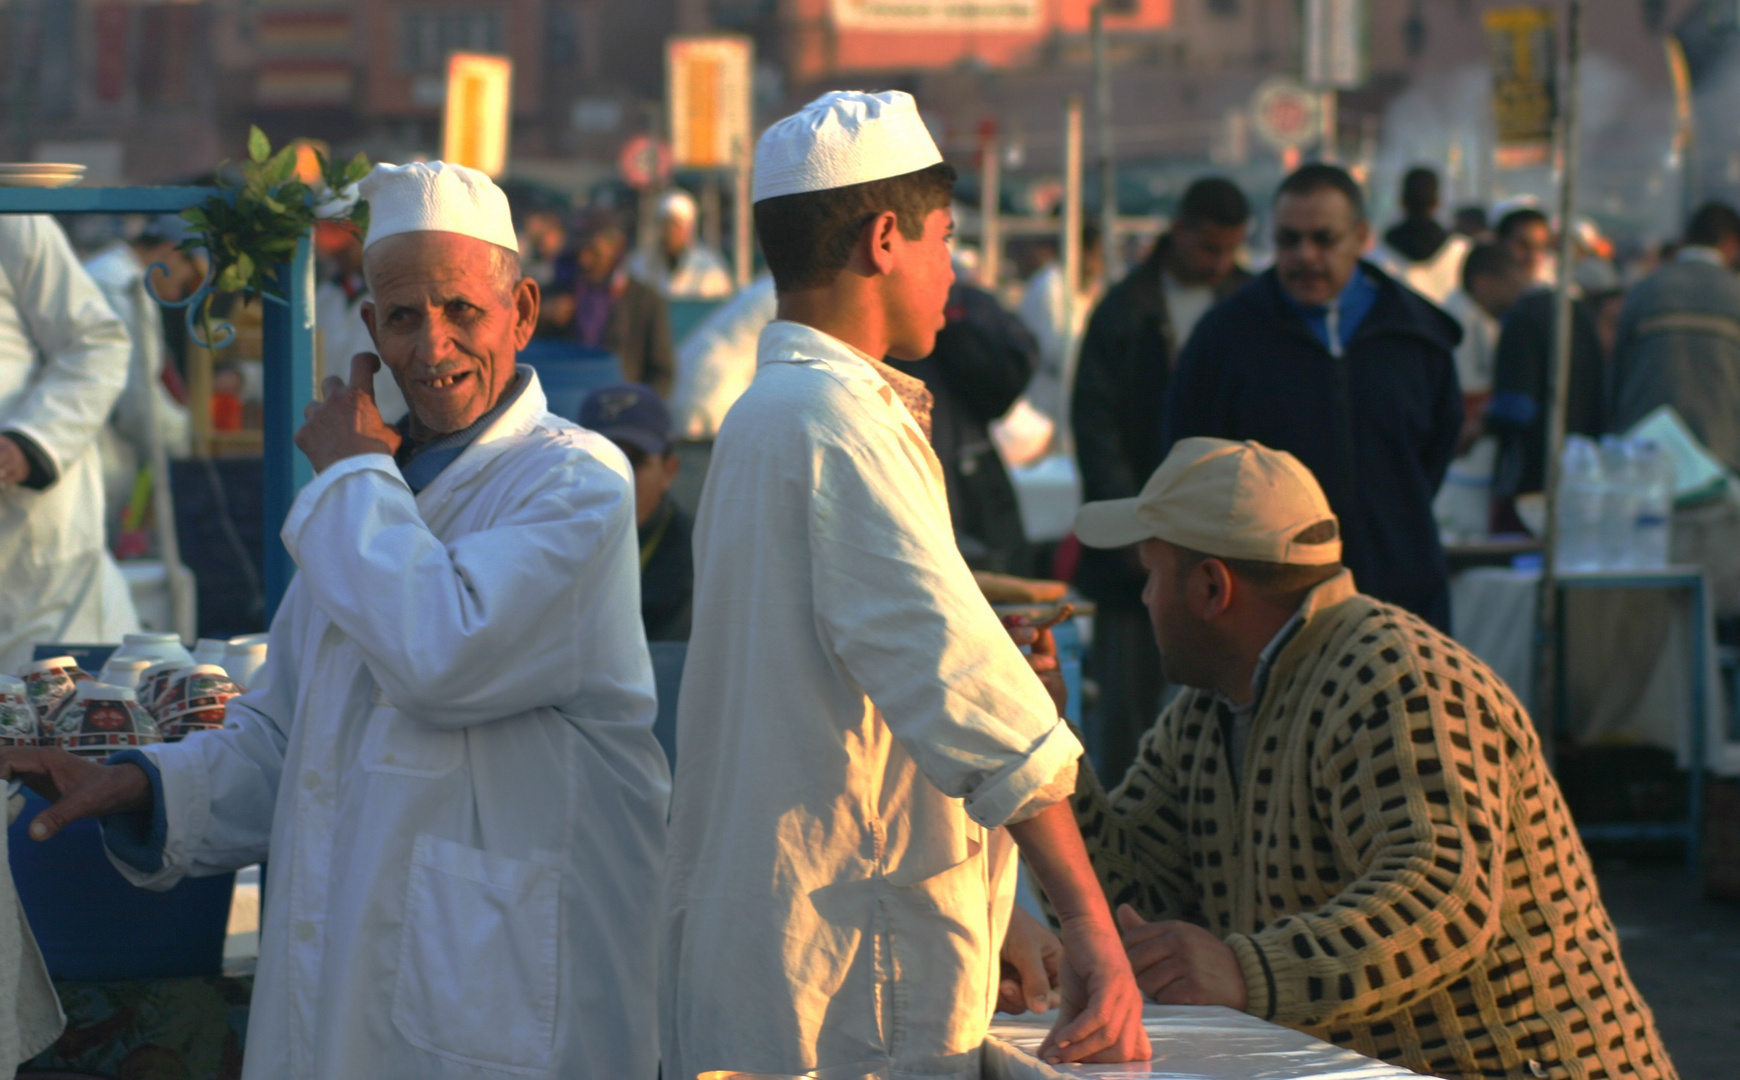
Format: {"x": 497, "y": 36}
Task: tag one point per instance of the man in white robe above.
{"x": 146, "y": 416}
{"x": 63, "y": 362}
{"x": 855, "y": 728}
{"x": 448, "y": 756}
{"x": 681, "y": 267}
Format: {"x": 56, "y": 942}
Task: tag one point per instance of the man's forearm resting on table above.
{"x": 1051, "y": 846}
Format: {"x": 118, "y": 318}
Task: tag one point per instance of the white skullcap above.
{"x": 436, "y": 196}
{"x": 679, "y": 204}
{"x": 843, "y": 138}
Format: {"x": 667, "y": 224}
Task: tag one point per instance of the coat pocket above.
{"x": 936, "y": 985}
{"x": 477, "y": 977}
{"x": 394, "y": 743}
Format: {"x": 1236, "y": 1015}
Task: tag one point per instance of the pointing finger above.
{"x": 362, "y": 372}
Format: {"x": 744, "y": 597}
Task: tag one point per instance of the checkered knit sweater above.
{"x": 1396, "y": 873}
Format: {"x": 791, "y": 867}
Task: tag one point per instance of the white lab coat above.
{"x": 449, "y": 760}
{"x": 700, "y": 273}
{"x": 126, "y": 440}
{"x": 63, "y": 362}
{"x": 854, "y": 727}
{"x": 716, "y": 362}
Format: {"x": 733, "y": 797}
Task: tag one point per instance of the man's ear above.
{"x": 673, "y": 465}
{"x": 368, "y": 318}
{"x": 881, "y": 237}
{"x": 1218, "y": 586}
{"x": 526, "y": 301}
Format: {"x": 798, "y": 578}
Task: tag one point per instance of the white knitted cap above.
{"x": 436, "y": 196}
{"x": 842, "y": 138}
{"x": 678, "y": 204}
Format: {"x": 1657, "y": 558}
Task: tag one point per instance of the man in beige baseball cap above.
{"x": 1345, "y": 823}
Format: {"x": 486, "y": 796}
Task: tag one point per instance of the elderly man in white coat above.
{"x": 63, "y": 362}
{"x": 859, "y": 739}
{"x": 448, "y": 756}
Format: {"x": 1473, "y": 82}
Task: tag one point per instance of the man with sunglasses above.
{"x": 1329, "y": 358}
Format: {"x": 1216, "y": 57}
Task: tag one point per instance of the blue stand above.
{"x": 91, "y": 923}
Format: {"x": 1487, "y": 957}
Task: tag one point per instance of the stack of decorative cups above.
{"x": 102, "y": 719}
{"x": 18, "y": 724}
{"x": 51, "y": 685}
{"x": 195, "y": 701}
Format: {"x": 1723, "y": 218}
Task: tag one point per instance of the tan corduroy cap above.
{"x": 1233, "y": 500}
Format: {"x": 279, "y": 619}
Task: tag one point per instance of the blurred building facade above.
{"x": 158, "y": 90}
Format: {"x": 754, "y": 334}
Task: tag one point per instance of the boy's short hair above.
{"x": 1486, "y": 260}
{"x": 808, "y": 237}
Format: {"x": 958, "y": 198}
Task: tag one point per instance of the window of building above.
{"x": 427, "y": 37}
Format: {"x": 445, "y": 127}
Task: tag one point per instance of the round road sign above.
{"x": 1286, "y": 114}
{"x": 645, "y": 162}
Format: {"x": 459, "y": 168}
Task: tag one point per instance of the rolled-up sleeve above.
{"x": 899, "y": 608}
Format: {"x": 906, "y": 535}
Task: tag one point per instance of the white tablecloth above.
{"x": 1190, "y": 1043}
{"x": 1628, "y": 659}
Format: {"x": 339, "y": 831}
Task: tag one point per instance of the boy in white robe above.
{"x": 858, "y": 737}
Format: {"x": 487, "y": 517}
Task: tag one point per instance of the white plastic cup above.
{"x": 244, "y": 658}
{"x": 123, "y": 672}
{"x": 210, "y": 650}
{"x": 152, "y": 647}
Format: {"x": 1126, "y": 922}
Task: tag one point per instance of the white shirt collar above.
{"x": 1701, "y": 254}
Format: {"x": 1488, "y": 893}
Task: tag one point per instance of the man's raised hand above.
{"x": 346, "y": 422}
{"x": 1180, "y": 963}
{"x": 78, "y": 787}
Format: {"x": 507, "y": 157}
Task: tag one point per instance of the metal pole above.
{"x": 1071, "y": 252}
{"x": 742, "y": 219}
{"x": 990, "y": 212}
{"x": 1686, "y": 135}
{"x": 290, "y": 374}
{"x": 1328, "y": 151}
{"x": 1103, "y": 143}
{"x": 1548, "y": 645}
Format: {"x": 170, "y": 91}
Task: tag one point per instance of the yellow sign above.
{"x": 474, "y": 127}
{"x": 708, "y": 97}
{"x": 938, "y": 15}
{"x": 1522, "y": 53}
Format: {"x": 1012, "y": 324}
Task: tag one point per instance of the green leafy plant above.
{"x": 249, "y": 231}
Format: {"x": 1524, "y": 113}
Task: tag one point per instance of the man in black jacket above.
{"x": 594, "y": 301}
{"x": 1126, "y": 363}
{"x": 983, "y": 360}
{"x": 1330, "y": 359}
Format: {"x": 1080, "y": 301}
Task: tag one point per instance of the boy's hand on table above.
{"x": 1031, "y": 955}
{"x": 1100, "y": 1019}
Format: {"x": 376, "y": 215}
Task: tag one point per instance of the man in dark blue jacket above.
{"x": 1330, "y": 359}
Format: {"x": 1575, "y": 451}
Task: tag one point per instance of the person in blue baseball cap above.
{"x": 634, "y": 418}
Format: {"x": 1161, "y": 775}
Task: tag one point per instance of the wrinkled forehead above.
{"x": 409, "y": 266}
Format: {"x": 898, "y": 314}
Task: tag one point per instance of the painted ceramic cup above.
{"x": 103, "y": 719}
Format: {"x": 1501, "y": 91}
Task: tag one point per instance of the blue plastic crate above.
{"x": 92, "y": 924}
